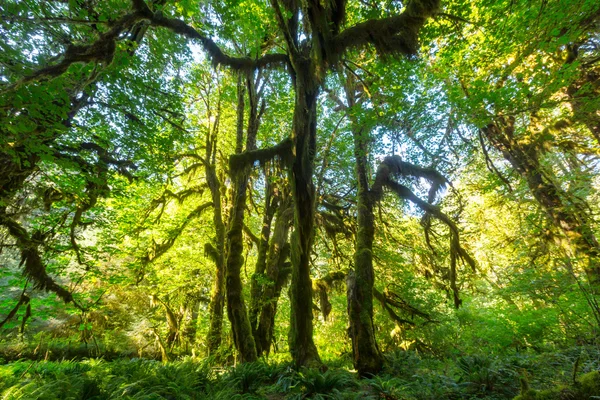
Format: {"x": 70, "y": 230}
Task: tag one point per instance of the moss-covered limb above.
{"x": 102, "y": 50}
{"x": 262, "y": 242}
{"x": 394, "y": 300}
{"x": 323, "y": 286}
{"x": 242, "y": 160}
{"x": 381, "y": 298}
{"x": 172, "y": 320}
{"x": 565, "y": 212}
{"x": 161, "y": 344}
{"x": 253, "y": 238}
{"x": 394, "y": 166}
{"x": 397, "y": 34}
{"x": 457, "y": 252}
{"x": 31, "y": 259}
{"x": 158, "y": 249}
{"x": 288, "y": 27}
{"x": 23, "y": 300}
{"x": 215, "y": 53}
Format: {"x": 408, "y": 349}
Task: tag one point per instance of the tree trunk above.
{"x": 304, "y": 127}
{"x": 367, "y": 358}
{"x": 236, "y": 307}
{"x": 566, "y": 215}
{"x": 217, "y": 253}
{"x": 584, "y": 94}
{"x": 366, "y": 355}
{"x": 256, "y": 290}
{"x": 277, "y": 276}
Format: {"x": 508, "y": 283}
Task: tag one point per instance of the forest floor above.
{"x": 567, "y": 374}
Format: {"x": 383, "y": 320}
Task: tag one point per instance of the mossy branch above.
{"x": 215, "y": 53}
{"x": 239, "y": 161}
{"x": 386, "y": 306}
{"x": 31, "y": 259}
{"x": 23, "y": 299}
{"x": 393, "y": 35}
{"x": 394, "y": 166}
{"x": 102, "y": 50}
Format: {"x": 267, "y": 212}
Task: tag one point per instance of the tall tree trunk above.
{"x": 366, "y": 355}
{"x": 277, "y": 276}
{"x": 216, "y": 250}
{"x": 236, "y": 307}
{"x": 304, "y": 127}
{"x": 256, "y": 290}
{"x": 367, "y": 358}
{"x": 566, "y": 215}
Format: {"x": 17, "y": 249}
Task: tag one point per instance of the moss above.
{"x": 528, "y": 395}
{"x": 557, "y": 393}
{"x": 589, "y": 384}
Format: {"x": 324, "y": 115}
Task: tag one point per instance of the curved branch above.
{"x": 31, "y": 259}
{"x": 392, "y": 35}
{"x": 23, "y": 299}
{"x": 102, "y": 50}
{"x": 380, "y": 297}
{"x": 395, "y": 166}
{"x": 282, "y": 150}
{"x": 217, "y": 55}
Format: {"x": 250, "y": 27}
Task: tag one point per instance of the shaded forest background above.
{"x": 265, "y": 195}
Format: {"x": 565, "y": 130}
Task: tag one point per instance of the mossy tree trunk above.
{"x": 236, "y": 307}
{"x": 564, "y": 210}
{"x": 276, "y": 274}
{"x": 304, "y": 130}
{"x": 256, "y": 290}
{"x": 216, "y": 249}
{"x": 366, "y": 355}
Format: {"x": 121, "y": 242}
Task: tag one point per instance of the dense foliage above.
{"x": 227, "y": 198}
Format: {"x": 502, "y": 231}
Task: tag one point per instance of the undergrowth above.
{"x": 408, "y": 376}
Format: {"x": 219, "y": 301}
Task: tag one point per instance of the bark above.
{"x": 366, "y": 355}
{"x": 562, "y": 210}
{"x": 585, "y": 92}
{"x": 277, "y": 274}
{"x": 257, "y": 289}
{"x": 217, "y": 299}
{"x": 304, "y": 130}
{"x": 309, "y": 61}
{"x": 236, "y": 307}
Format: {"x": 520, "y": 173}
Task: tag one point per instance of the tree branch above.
{"x": 392, "y": 35}
{"x": 217, "y": 56}
{"x": 282, "y": 150}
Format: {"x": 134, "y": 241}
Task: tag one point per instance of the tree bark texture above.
{"x": 366, "y": 355}
{"x": 277, "y": 274}
{"x": 236, "y": 307}
{"x": 256, "y": 289}
{"x": 304, "y": 127}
